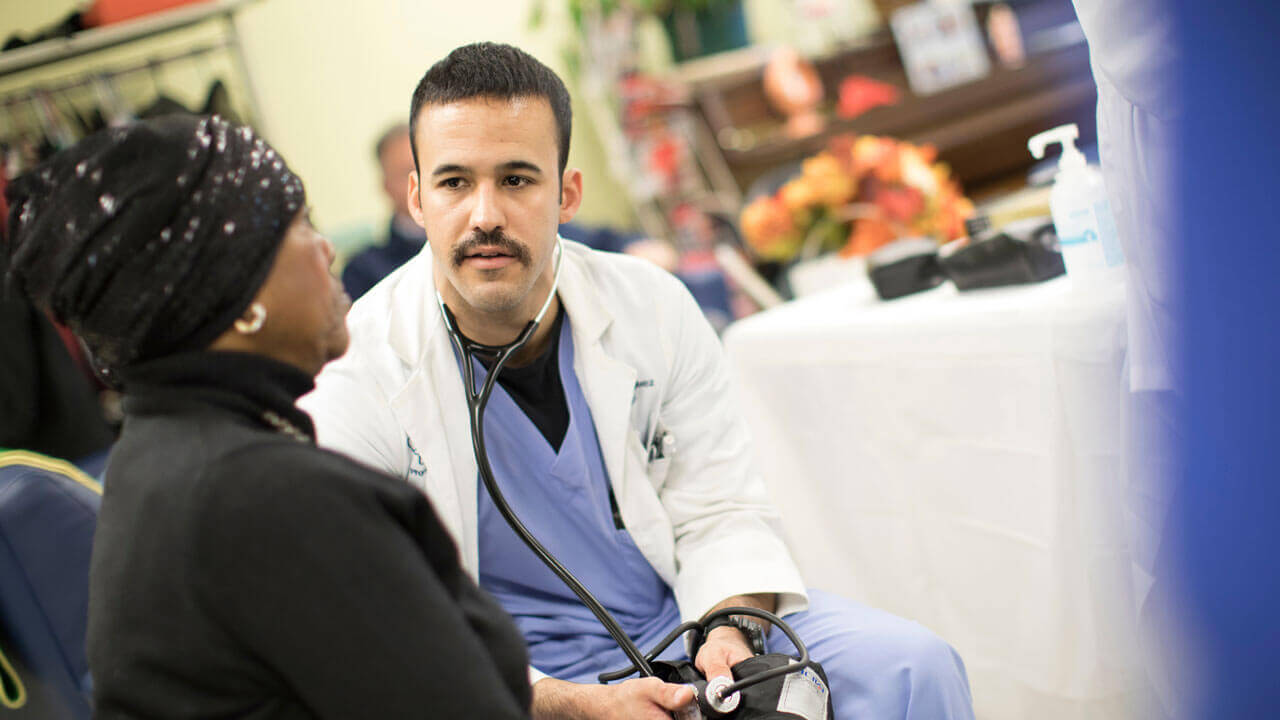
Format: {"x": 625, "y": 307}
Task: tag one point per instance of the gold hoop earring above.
{"x": 254, "y": 324}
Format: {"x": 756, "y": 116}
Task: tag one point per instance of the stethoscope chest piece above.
{"x": 712, "y": 693}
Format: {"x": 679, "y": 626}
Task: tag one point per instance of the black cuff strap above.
{"x": 752, "y": 631}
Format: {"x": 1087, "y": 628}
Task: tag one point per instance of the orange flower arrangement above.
{"x": 858, "y": 194}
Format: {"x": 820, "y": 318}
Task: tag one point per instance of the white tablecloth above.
{"x": 957, "y": 459}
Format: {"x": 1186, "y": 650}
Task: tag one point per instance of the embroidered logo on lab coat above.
{"x": 416, "y": 466}
{"x": 640, "y": 384}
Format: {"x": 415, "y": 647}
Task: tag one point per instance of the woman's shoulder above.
{"x": 293, "y": 498}
{"x": 273, "y": 464}
{"x": 281, "y": 481}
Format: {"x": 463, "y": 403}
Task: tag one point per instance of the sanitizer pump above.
{"x": 1081, "y": 213}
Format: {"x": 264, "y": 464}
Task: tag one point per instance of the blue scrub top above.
{"x": 563, "y": 498}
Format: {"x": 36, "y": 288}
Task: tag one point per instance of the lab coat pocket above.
{"x": 658, "y": 456}
{"x": 658, "y": 470}
{"x": 646, "y": 519}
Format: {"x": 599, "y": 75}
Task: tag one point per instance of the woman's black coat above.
{"x": 240, "y": 571}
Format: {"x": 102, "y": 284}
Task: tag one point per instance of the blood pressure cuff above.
{"x": 904, "y": 267}
{"x": 802, "y": 695}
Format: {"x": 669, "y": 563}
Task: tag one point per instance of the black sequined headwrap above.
{"x": 151, "y": 238}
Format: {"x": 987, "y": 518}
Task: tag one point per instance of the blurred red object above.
{"x": 793, "y": 87}
{"x": 106, "y": 12}
{"x": 859, "y": 93}
{"x": 643, "y": 97}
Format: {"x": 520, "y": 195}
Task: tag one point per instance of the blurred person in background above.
{"x": 51, "y": 399}
{"x": 237, "y": 569}
{"x": 404, "y": 236}
{"x": 1134, "y": 55}
{"x": 613, "y": 432}
{"x": 51, "y": 404}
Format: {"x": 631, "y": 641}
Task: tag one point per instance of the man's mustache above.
{"x": 494, "y": 238}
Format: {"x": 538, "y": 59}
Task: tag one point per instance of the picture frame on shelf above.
{"x": 940, "y": 43}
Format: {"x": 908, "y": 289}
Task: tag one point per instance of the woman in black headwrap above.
{"x": 238, "y": 570}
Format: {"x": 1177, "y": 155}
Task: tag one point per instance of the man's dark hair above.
{"x": 492, "y": 70}
{"x": 387, "y": 137}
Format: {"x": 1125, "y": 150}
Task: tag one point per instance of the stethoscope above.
{"x": 477, "y": 401}
{"x": 721, "y": 695}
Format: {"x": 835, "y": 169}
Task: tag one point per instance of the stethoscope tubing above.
{"x": 477, "y": 403}
{"x": 801, "y": 662}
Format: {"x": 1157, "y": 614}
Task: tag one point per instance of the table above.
{"x": 957, "y": 459}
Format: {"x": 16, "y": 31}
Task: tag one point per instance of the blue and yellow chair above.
{"x": 48, "y": 512}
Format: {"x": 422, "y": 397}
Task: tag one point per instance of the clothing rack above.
{"x": 110, "y": 36}
{"x": 29, "y": 94}
{"x": 50, "y": 52}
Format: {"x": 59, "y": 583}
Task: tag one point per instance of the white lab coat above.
{"x": 647, "y": 361}
{"x": 1132, "y": 51}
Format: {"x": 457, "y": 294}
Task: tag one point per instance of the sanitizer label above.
{"x": 804, "y": 694}
{"x": 1112, "y": 253}
{"x": 1078, "y": 239}
{"x": 1089, "y": 240}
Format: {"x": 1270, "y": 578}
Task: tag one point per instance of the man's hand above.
{"x": 725, "y": 647}
{"x": 637, "y": 699}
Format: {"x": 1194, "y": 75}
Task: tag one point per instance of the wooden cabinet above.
{"x": 979, "y": 128}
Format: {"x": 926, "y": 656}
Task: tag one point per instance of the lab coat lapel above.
{"x": 433, "y": 398}
{"x": 608, "y": 384}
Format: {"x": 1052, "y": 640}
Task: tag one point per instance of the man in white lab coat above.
{"x": 614, "y": 435}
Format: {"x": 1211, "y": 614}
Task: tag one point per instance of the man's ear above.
{"x": 570, "y": 194}
{"x": 415, "y": 201}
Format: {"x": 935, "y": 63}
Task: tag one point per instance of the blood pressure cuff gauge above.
{"x": 802, "y": 695}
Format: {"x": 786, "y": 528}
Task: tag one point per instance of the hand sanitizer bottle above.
{"x": 1081, "y": 213}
